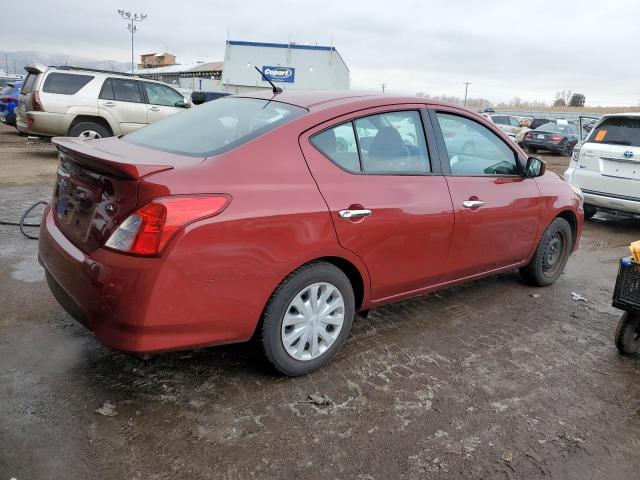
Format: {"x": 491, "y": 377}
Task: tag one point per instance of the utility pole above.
{"x": 384, "y": 87}
{"x": 466, "y": 89}
{"x": 131, "y": 18}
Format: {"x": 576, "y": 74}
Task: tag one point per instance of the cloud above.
{"x": 504, "y": 48}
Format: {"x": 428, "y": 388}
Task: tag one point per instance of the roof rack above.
{"x": 88, "y": 69}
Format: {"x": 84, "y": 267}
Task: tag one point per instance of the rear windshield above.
{"x": 29, "y": 82}
{"x": 618, "y": 131}
{"x": 555, "y": 128}
{"x": 215, "y": 127}
{"x": 65, "y": 83}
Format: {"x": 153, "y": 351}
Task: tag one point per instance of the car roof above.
{"x": 320, "y": 99}
{"x": 627, "y": 114}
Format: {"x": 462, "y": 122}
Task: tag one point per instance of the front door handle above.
{"x": 472, "y": 203}
{"x": 109, "y": 104}
{"x": 155, "y": 109}
{"x": 354, "y": 213}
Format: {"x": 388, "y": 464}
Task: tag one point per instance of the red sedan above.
{"x": 281, "y": 215}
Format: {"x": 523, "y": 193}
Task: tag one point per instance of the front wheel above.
{"x": 308, "y": 319}
{"x": 551, "y": 255}
{"x": 628, "y": 334}
{"x": 589, "y": 211}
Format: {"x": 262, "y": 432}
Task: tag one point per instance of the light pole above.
{"x": 131, "y": 18}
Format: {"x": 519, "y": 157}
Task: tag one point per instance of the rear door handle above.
{"x": 109, "y": 104}
{"x": 354, "y": 213}
{"x": 472, "y": 203}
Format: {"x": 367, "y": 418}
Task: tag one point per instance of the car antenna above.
{"x": 266, "y": 79}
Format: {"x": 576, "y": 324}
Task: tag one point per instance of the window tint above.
{"x": 514, "y": 122}
{"x": 618, "y": 131}
{"x": 126, "y": 90}
{"x": 500, "y": 120}
{"x": 161, "y": 95}
{"x": 339, "y": 145}
{"x": 392, "y": 142}
{"x": 214, "y": 127}
{"x": 106, "y": 93}
{"x": 29, "y": 83}
{"x": 65, "y": 83}
{"x": 473, "y": 149}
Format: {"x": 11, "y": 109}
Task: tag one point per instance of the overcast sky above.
{"x": 504, "y": 48}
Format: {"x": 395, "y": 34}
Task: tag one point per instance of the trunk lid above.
{"x": 97, "y": 185}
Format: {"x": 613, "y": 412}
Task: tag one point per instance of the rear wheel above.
{"x": 628, "y": 334}
{"x": 567, "y": 150}
{"x": 589, "y": 211}
{"x": 551, "y": 255}
{"x": 89, "y": 131}
{"x": 308, "y": 319}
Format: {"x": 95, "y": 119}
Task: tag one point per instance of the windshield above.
{"x": 618, "y": 131}
{"x": 215, "y": 127}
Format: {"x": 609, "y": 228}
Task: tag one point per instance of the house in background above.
{"x": 154, "y": 60}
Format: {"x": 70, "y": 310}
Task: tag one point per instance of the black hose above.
{"x": 22, "y": 223}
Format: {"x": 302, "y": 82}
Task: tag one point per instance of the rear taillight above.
{"x": 6, "y": 99}
{"x": 148, "y": 230}
{"x": 36, "y": 106}
{"x": 556, "y": 138}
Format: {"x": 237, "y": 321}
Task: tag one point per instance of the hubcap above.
{"x": 554, "y": 254}
{"x": 89, "y": 135}
{"x": 312, "y": 322}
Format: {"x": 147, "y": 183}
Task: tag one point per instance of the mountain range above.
{"x": 17, "y": 60}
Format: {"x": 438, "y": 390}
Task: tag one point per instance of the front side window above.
{"x": 386, "y": 143}
{"x": 473, "y": 149}
{"x": 215, "y": 127}
{"x": 65, "y": 83}
{"x": 125, "y": 90}
{"x": 161, "y": 95}
{"x": 514, "y": 122}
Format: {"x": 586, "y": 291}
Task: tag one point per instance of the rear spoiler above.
{"x": 35, "y": 68}
{"x": 82, "y": 152}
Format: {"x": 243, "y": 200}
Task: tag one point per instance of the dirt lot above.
{"x": 493, "y": 379}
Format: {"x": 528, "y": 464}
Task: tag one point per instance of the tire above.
{"x": 532, "y": 150}
{"x": 589, "y": 211}
{"x": 90, "y": 131}
{"x": 551, "y": 256}
{"x": 567, "y": 150}
{"x": 292, "y": 290}
{"x": 628, "y": 334}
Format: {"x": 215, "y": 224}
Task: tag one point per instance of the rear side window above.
{"x": 618, "y": 131}
{"x": 215, "y": 127}
{"x": 387, "y": 143}
{"x": 65, "y": 83}
{"x": 125, "y": 90}
{"x": 106, "y": 93}
{"x": 29, "y": 82}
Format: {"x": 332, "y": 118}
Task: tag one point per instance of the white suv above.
{"x": 607, "y": 165}
{"x": 89, "y": 103}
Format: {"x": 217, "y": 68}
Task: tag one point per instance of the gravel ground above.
{"x": 493, "y": 379}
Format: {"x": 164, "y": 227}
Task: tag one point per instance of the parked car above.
{"x": 536, "y": 122}
{"x": 198, "y": 98}
{"x": 488, "y": 110}
{"x": 607, "y": 165}
{"x": 242, "y": 219}
{"x": 8, "y": 102}
{"x": 7, "y": 79}
{"x": 553, "y": 137}
{"x": 508, "y": 123}
{"x": 89, "y": 103}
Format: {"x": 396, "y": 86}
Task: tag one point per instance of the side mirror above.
{"x": 535, "y": 167}
{"x": 181, "y": 104}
